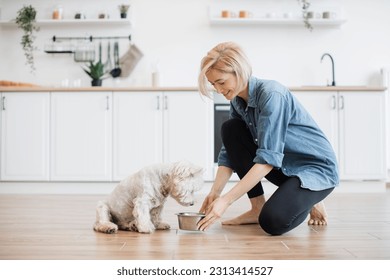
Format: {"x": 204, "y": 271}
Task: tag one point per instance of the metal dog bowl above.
{"x": 189, "y": 220}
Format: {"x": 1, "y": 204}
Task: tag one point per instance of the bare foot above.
{"x": 318, "y": 215}
{"x": 251, "y": 216}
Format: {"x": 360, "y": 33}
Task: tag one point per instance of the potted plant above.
{"x": 305, "y": 7}
{"x": 96, "y": 72}
{"x": 123, "y": 10}
{"x": 25, "y": 20}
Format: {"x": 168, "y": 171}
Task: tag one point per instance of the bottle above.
{"x": 156, "y": 76}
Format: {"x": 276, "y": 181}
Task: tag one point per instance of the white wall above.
{"x": 177, "y": 34}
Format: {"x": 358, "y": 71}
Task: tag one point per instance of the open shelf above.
{"x": 54, "y": 22}
{"x": 274, "y": 21}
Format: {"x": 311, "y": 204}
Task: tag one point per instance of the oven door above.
{"x": 221, "y": 114}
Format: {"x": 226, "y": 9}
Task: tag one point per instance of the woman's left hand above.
{"x": 213, "y": 213}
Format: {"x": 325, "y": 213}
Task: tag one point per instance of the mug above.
{"x": 103, "y": 16}
{"x": 79, "y": 16}
{"x": 328, "y": 15}
{"x": 227, "y": 14}
{"x": 244, "y": 14}
{"x": 312, "y": 14}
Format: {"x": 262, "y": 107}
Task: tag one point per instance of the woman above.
{"x": 268, "y": 135}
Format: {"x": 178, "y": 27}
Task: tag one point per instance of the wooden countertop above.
{"x": 80, "y": 89}
{"x": 121, "y": 89}
{"x": 338, "y": 88}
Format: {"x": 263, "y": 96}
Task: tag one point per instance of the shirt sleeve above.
{"x": 272, "y": 124}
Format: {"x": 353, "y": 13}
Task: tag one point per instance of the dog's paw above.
{"x": 132, "y": 226}
{"x": 106, "y": 227}
{"x": 140, "y": 228}
{"x": 146, "y": 228}
{"x": 163, "y": 226}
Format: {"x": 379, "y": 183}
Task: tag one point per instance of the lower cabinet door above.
{"x": 25, "y": 136}
{"x": 138, "y": 134}
{"x": 81, "y": 129}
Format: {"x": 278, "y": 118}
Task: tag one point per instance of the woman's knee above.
{"x": 276, "y": 222}
{"x": 272, "y": 224}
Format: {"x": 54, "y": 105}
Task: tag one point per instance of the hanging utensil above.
{"x": 108, "y": 64}
{"x": 116, "y": 72}
{"x": 100, "y": 52}
{"x": 85, "y": 52}
{"x": 130, "y": 60}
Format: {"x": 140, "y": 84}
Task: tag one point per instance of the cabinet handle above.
{"x": 3, "y": 103}
{"x": 107, "y": 103}
{"x": 341, "y": 105}
{"x": 158, "y": 103}
{"x": 333, "y": 102}
{"x": 165, "y": 102}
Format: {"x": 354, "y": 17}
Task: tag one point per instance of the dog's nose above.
{"x": 192, "y": 203}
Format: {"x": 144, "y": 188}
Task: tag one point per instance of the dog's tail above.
{"x": 103, "y": 219}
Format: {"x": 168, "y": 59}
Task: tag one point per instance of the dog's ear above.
{"x": 195, "y": 170}
{"x": 165, "y": 187}
{"x": 185, "y": 169}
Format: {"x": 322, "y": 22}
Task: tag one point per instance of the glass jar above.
{"x": 57, "y": 12}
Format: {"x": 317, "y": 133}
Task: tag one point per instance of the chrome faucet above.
{"x": 331, "y": 58}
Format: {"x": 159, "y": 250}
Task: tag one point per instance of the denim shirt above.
{"x": 286, "y": 135}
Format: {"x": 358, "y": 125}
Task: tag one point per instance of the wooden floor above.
{"x": 60, "y": 227}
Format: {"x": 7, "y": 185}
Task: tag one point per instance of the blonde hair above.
{"x": 227, "y": 57}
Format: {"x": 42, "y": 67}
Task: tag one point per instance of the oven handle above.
{"x": 222, "y": 108}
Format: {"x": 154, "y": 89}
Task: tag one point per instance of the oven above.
{"x": 221, "y": 114}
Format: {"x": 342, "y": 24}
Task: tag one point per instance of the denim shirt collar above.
{"x": 240, "y": 104}
{"x": 251, "y": 92}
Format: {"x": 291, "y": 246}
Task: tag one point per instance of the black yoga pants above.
{"x": 290, "y": 204}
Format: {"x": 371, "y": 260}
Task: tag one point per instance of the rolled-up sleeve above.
{"x": 223, "y": 159}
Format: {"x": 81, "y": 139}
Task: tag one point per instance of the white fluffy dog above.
{"x": 136, "y": 203}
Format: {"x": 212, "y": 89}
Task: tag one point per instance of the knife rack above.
{"x": 56, "y": 47}
{"x": 91, "y": 38}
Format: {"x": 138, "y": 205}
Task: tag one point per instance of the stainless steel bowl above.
{"x": 189, "y": 220}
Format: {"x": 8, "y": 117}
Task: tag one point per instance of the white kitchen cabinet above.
{"x": 137, "y": 127}
{"x": 363, "y": 143}
{"x": 188, "y": 129}
{"x": 354, "y": 122}
{"x": 25, "y": 136}
{"x": 153, "y": 127}
{"x": 81, "y": 136}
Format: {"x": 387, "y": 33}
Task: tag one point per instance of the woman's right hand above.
{"x": 207, "y": 201}
{"x": 221, "y": 178}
